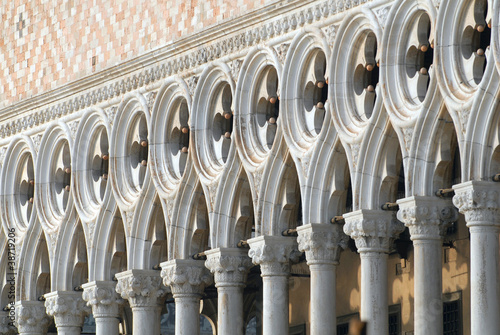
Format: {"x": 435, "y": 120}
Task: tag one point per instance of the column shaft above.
{"x": 428, "y": 287}
{"x": 374, "y": 309}
{"x": 484, "y": 248}
{"x": 230, "y": 310}
{"x": 69, "y": 330}
{"x": 146, "y": 320}
{"x": 109, "y": 325}
{"x": 187, "y": 315}
{"x": 275, "y": 315}
{"x": 323, "y": 285}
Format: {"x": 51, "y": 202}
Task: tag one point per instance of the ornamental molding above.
{"x": 67, "y": 308}
{"x": 186, "y": 277}
{"x": 142, "y": 288}
{"x": 372, "y": 230}
{"x": 479, "y": 201}
{"x": 273, "y": 254}
{"x": 322, "y": 243}
{"x": 31, "y": 317}
{"x": 426, "y": 217}
{"x": 229, "y": 266}
{"x": 103, "y": 298}
{"x": 159, "y": 64}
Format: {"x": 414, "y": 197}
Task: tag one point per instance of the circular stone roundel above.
{"x": 129, "y": 150}
{"x": 355, "y": 83}
{"x": 305, "y": 89}
{"x": 53, "y": 169}
{"x": 212, "y": 122}
{"x": 18, "y": 185}
{"x": 258, "y": 106}
{"x": 91, "y": 163}
{"x": 408, "y": 72}
{"x": 170, "y": 133}
{"x": 463, "y": 47}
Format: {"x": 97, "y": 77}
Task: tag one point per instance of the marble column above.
{"x": 230, "y": 268}
{"x": 106, "y": 305}
{"x": 373, "y": 231}
{"x": 479, "y": 201}
{"x": 427, "y": 219}
{"x": 322, "y": 244}
{"x": 146, "y": 295}
{"x": 31, "y": 318}
{"x": 273, "y": 254}
{"x": 68, "y": 309}
{"x": 187, "y": 278}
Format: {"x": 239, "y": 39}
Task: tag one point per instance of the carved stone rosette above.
{"x": 186, "y": 277}
{"x": 67, "y": 307}
{"x": 31, "y": 317}
{"x": 142, "y": 288}
{"x": 322, "y": 243}
{"x": 479, "y": 201}
{"x": 273, "y": 254}
{"x": 230, "y": 266}
{"x": 426, "y": 217}
{"x": 372, "y": 230}
{"x": 103, "y": 298}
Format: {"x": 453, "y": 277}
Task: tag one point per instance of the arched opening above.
{"x": 243, "y": 212}
{"x": 116, "y": 259}
{"x": 156, "y": 241}
{"x": 200, "y": 229}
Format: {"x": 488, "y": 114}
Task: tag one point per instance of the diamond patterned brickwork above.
{"x": 47, "y": 43}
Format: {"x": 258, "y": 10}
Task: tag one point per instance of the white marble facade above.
{"x": 170, "y": 179}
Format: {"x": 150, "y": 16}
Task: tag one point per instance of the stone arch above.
{"x": 71, "y": 258}
{"x": 328, "y": 190}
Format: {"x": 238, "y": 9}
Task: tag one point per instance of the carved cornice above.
{"x": 372, "y": 230}
{"x": 479, "y": 201}
{"x": 273, "y": 254}
{"x": 142, "y": 288}
{"x": 31, "y": 317}
{"x": 229, "y": 266}
{"x": 322, "y": 243}
{"x": 67, "y": 308}
{"x": 186, "y": 277}
{"x": 426, "y": 217}
{"x": 103, "y": 298}
{"x": 158, "y": 64}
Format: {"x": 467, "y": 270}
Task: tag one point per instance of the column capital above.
{"x": 479, "y": 201}
{"x": 103, "y": 298}
{"x": 229, "y": 266}
{"x": 67, "y": 307}
{"x": 186, "y": 277}
{"x": 31, "y": 317}
{"x": 426, "y": 217}
{"x": 372, "y": 230}
{"x": 322, "y": 243}
{"x": 5, "y": 324}
{"x": 142, "y": 288}
{"x": 273, "y": 254}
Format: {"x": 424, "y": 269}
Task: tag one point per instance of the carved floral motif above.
{"x": 322, "y": 243}
{"x": 186, "y": 277}
{"x": 67, "y": 308}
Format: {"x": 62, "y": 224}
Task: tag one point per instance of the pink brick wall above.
{"x": 47, "y": 43}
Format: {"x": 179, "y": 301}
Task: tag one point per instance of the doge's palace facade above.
{"x": 250, "y": 167}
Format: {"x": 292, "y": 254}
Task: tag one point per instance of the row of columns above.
{"x": 373, "y": 232}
